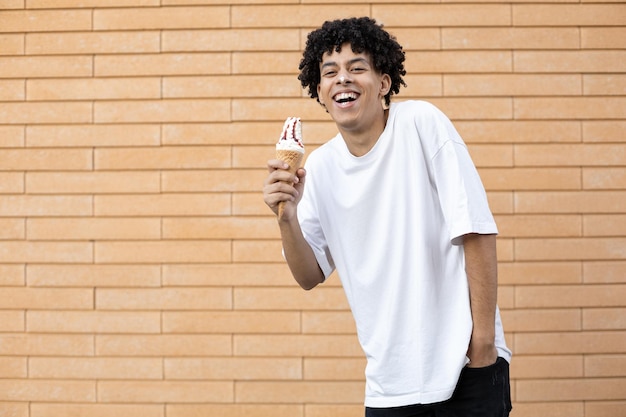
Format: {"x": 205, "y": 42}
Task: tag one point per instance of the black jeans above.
{"x": 480, "y": 392}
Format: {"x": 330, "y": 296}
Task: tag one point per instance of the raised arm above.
{"x": 279, "y": 186}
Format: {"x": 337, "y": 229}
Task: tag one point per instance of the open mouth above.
{"x": 345, "y": 97}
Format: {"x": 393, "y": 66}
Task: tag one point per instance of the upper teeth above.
{"x": 345, "y": 96}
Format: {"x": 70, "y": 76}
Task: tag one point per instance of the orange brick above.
{"x": 161, "y": 64}
{"x": 541, "y": 319}
{"x": 93, "y": 182}
{"x": 552, "y": 408}
{"x": 12, "y": 90}
{"x": 45, "y": 20}
{"x": 539, "y": 225}
{"x": 94, "y": 89}
{"x": 289, "y": 299}
{"x": 93, "y": 322}
{"x": 95, "y": 410}
{"x": 604, "y": 408}
{"x": 164, "y": 299}
{"x": 604, "y": 318}
{"x": 189, "y": 157}
{"x": 38, "y": 205}
{"x": 298, "y": 345}
{"x": 233, "y": 368}
{"x": 500, "y": 202}
{"x": 163, "y": 345}
{"x": 131, "y": 252}
{"x": 569, "y": 61}
{"x": 220, "y": 40}
{"x": 604, "y": 272}
{"x": 45, "y": 252}
{"x": 275, "y": 62}
{"x": 231, "y": 322}
{"x": 510, "y": 38}
{"x": 570, "y": 342}
{"x": 93, "y": 135}
{"x": 421, "y": 86}
{"x": 12, "y": 275}
{"x": 569, "y": 296}
{"x": 299, "y": 15}
{"x": 511, "y": 84}
{"x": 11, "y": 44}
{"x": 234, "y": 410}
{"x": 220, "y": 228}
{"x": 14, "y": 409}
{"x": 553, "y": 366}
{"x": 571, "y": 389}
{"x": 13, "y": 367}
{"x": 162, "y": 111}
{"x": 93, "y": 275}
{"x": 417, "y": 38}
{"x": 51, "y": 4}
{"x": 47, "y": 298}
{"x": 11, "y": 320}
{"x": 604, "y": 178}
{"x": 47, "y": 390}
{"x": 530, "y": 178}
{"x": 252, "y": 156}
{"x": 93, "y": 229}
{"x": 569, "y": 202}
{"x": 604, "y": 225}
{"x": 321, "y": 410}
{"x": 165, "y": 391}
{"x": 604, "y": 84}
{"x": 244, "y": 109}
{"x": 46, "y": 159}
{"x": 227, "y": 274}
{"x": 569, "y": 249}
{"x": 11, "y": 136}
{"x": 45, "y": 66}
{"x": 249, "y": 204}
{"x": 568, "y": 14}
{"x": 443, "y": 15}
{"x": 602, "y": 37}
{"x": 295, "y": 392}
{"x": 603, "y": 131}
{"x": 257, "y": 251}
{"x": 238, "y": 133}
{"x": 344, "y": 369}
{"x": 13, "y": 229}
{"x": 328, "y": 322}
{"x": 161, "y": 18}
{"x": 232, "y": 86}
{"x": 540, "y": 273}
{"x": 46, "y": 344}
{"x": 92, "y": 43}
{"x": 163, "y": 204}
{"x": 570, "y": 108}
{"x": 56, "y": 112}
{"x": 489, "y": 108}
{"x": 213, "y": 181}
{"x": 458, "y": 61}
{"x": 531, "y": 131}
{"x": 564, "y": 155}
{"x": 95, "y": 368}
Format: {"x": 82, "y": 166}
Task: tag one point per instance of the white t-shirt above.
{"x": 390, "y": 223}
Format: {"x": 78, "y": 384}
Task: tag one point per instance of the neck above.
{"x": 361, "y": 142}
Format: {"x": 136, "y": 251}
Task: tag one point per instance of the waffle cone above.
{"x": 294, "y": 159}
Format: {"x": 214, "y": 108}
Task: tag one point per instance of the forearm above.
{"x": 299, "y": 255}
{"x": 481, "y": 268}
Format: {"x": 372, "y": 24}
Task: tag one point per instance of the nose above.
{"x": 344, "y": 78}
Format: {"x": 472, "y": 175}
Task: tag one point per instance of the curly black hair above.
{"x": 364, "y": 35}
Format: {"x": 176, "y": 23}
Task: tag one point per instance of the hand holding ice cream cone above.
{"x": 290, "y": 149}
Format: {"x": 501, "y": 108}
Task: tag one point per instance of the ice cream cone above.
{"x": 294, "y": 160}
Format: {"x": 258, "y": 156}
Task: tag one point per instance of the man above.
{"x": 396, "y": 206}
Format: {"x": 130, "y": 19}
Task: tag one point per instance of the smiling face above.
{"x": 352, "y": 91}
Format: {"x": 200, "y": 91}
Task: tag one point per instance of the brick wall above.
{"x": 141, "y": 273}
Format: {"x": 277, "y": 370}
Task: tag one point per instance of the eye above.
{"x": 329, "y": 73}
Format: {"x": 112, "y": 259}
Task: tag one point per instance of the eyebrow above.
{"x": 352, "y": 61}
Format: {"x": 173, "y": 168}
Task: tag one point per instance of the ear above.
{"x": 319, "y": 96}
{"x": 385, "y": 85}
